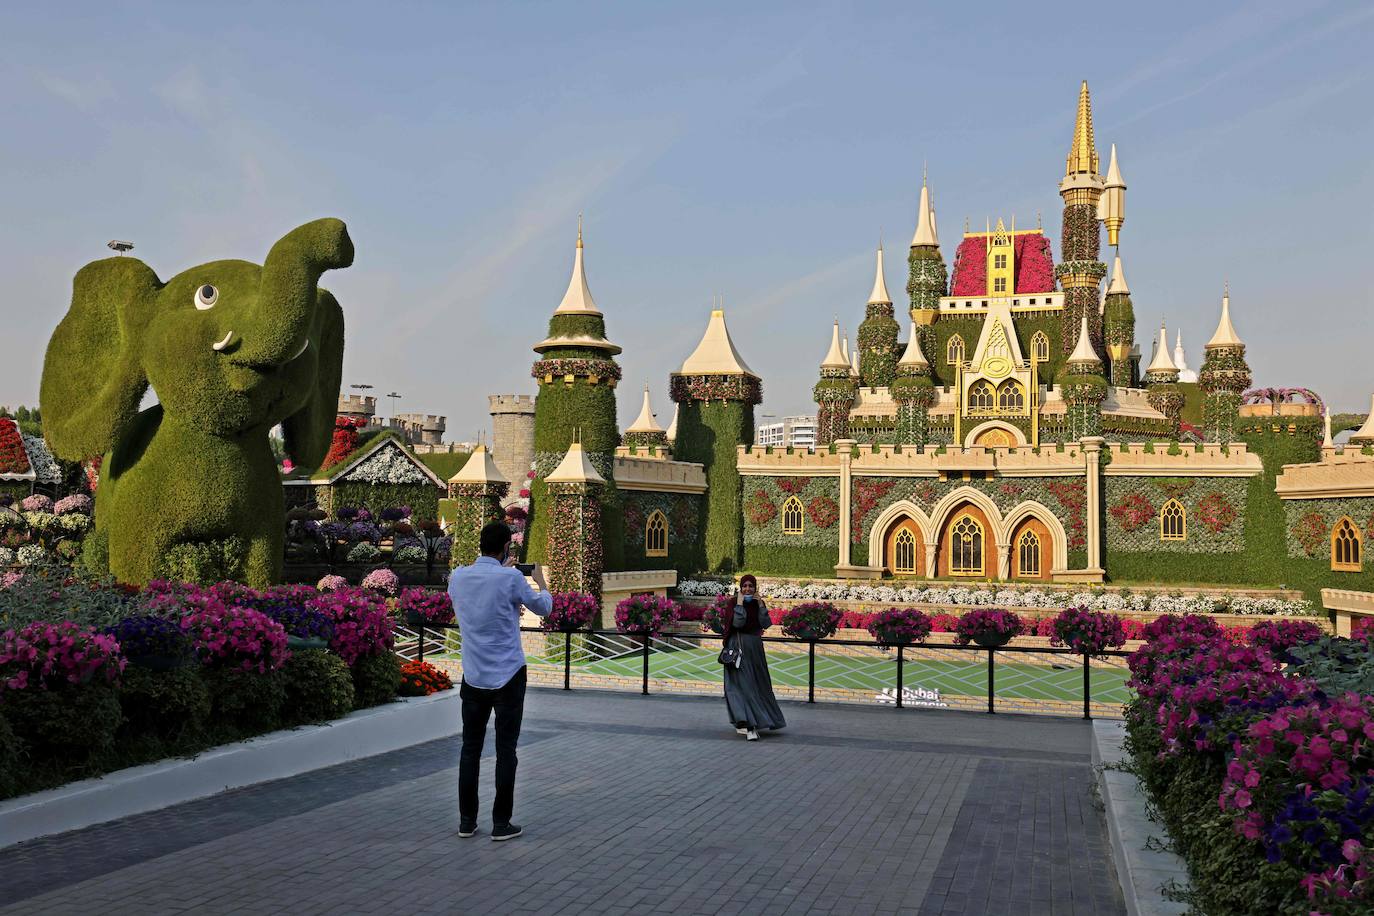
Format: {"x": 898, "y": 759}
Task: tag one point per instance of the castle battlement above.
{"x": 659, "y": 475}
{"x": 510, "y": 403}
{"x": 1212, "y": 459}
{"x": 426, "y": 421}
{"x": 357, "y": 405}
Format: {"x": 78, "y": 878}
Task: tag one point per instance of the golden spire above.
{"x": 1083, "y": 153}
{"x": 579, "y": 230}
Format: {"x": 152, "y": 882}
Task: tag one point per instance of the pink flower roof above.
{"x": 1034, "y": 266}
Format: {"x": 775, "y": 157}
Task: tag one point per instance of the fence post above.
{"x": 991, "y": 688}
{"x": 811, "y": 671}
{"x": 420, "y": 644}
{"x": 646, "y": 663}
{"x": 1087, "y": 686}
{"x": 899, "y": 676}
{"x": 567, "y": 660}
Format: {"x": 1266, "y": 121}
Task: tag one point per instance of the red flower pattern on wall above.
{"x": 1074, "y": 498}
{"x": 866, "y": 496}
{"x": 1034, "y": 266}
{"x": 13, "y": 458}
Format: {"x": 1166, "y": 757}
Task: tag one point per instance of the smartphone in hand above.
{"x": 526, "y": 569}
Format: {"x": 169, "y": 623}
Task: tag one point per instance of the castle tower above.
{"x": 1161, "y": 378}
{"x": 577, "y": 375}
{"x": 1080, "y": 271}
{"x": 1181, "y": 360}
{"x": 1118, "y": 327}
{"x": 574, "y": 536}
{"x": 645, "y": 432}
{"x": 835, "y": 393}
{"x": 1082, "y": 386}
{"x": 913, "y": 391}
{"x": 512, "y": 434}
{"x": 474, "y": 498}
{"x": 927, "y": 277}
{"x": 1224, "y": 376}
{"x": 716, "y": 393}
{"x": 878, "y": 334}
{"x": 358, "y": 407}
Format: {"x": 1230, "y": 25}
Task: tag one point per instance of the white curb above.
{"x": 275, "y": 755}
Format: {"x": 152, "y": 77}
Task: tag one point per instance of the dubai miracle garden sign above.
{"x": 913, "y": 696}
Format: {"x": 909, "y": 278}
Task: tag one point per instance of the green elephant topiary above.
{"x": 189, "y": 487}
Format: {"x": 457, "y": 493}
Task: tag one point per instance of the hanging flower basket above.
{"x": 990, "y": 628}
{"x": 899, "y": 626}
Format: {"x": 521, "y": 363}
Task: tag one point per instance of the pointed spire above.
{"x": 1326, "y": 429}
{"x": 672, "y": 427}
{"x": 716, "y": 354}
{"x": 1114, "y": 179}
{"x": 1111, "y": 206}
{"x": 1161, "y": 362}
{"x": 1118, "y": 284}
{"x": 1226, "y": 332}
{"x": 1082, "y": 157}
{"x": 1083, "y": 353}
{"x": 1181, "y": 361}
{"x": 844, "y": 346}
{"x": 913, "y": 357}
{"x": 834, "y": 357}
{"x": 479, "y": 468}
{"x": 575, "y": 468}
{"x": 645, "y": 422}
{"x": 925, "y": 219}
{"x": 578, "y": 299}
{"x": 854, "y": 363}
{"x": 1365, "y": 434}
{"x": 879, "y": 294}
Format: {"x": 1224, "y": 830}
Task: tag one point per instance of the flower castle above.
{"x": 1013, "y": 434}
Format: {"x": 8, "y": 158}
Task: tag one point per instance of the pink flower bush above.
{"x": 47, "y": 656}
{"x": 383, "y": 580}
{"x": 36, "y": 503}
{"x": 638, "y": 613}
{"x": 238, "y": 638}
{"x": 331, "y": 583}
{"x": 77, "y": 502}
{"x": 362, "y": 625}
{"x": 571, "y": 611}
{"x": 1088, "y": 632}
{"x": 1278, "y": 636}
{"x": 434, "y": 607}
{"x": 713, "y": 618}
{"x": 899, "y": 626}
{"x": 994, "y": 622}
{"x": 811, "y": 620}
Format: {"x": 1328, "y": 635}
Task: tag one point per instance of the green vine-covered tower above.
{"x": 914, "y": 392}
{"x": 1118, "y": 328}
{"x": 474, "y": 498}
{"x": 1080, "y": 272}
{"x": 577, "y": 375}
{"x": 716, "y": 393}
{"x": 1082, "y": 386}
{"x": 835, "y": 393}
{"x": 878, "y": 349}
{"x": 1223, "y": 378}
{"x": 927, "y": 277}
{"x": 1161, "y": 380}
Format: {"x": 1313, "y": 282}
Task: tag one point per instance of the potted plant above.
{"x": 811, "y": 620}
{"x": 641, "y": 613}
{"x": 572, "y": 611}
{"x": 899, "y": 626}
{"x": 152, "y": 642}
{"x": 990, "y": 628}
{"x": 423, "y": 607}
{"x": 1087, "y": 632}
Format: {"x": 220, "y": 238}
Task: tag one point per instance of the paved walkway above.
{"x": 631, "y": 805}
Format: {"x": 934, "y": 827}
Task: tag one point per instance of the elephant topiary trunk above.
{"x": 189, "y": 487}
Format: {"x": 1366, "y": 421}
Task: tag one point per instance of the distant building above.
{"x": 789, "y": 432}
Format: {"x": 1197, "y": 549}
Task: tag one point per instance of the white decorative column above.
{"x": 930, "y": 559}
{"x": 1003, "y": 558}
{"x": 844, "y": 448}
{"x": 1092, "y": 448}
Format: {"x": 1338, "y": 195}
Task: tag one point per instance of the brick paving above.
{"x": 631, "y": 805}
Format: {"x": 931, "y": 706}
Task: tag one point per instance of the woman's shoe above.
{"x": 741, "y": 731}
{"x": 751, "y": 735}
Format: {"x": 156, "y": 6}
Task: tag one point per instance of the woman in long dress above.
{"x": 748, "y": 688}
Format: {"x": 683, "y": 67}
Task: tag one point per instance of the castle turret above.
{"x": 1365, "y": 434}
{"x": 1080, "y": 272}
{"x": 474, "y": 498}
{"x": 574, "y": 539}
{"x": 835, "y": 393}
{"x": 1224, "y": 376}
{"x": 1161, "y": 378}
{"x": 913, "y": 391}
{"x": 577, "y": 375}
{"x": 927, "y": 277}
{"x": 716, "y": 393}
{"x": 1118, "y": 327}
{"x": 878, "y": 334}
{"x": 1082, "y": 386}
{"x": 512, "y": 434}
{"x": 645, "y": 432}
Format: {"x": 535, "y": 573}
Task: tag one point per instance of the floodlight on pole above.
{"x": 119, "y": 247}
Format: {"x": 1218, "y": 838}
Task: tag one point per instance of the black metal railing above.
{"x": 646, "y": 639}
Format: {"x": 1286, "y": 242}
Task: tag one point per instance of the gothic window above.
{"x": 999, "y": 262}
{"x": 954, "y": 350}
{"x": 904, "y": 552}
{"x": 793, "y": 518}
{"x": 1028, "y": 554}
{"x": 966, "y": 547}
{"x": 980, "y": 396}
{"x": 1173, "y": 521}
{"x": 656, "y": 535}
{"x": 1345, "y": 546}
{"x": 1010, "y": 396}
{"x": 1040, "y": 344}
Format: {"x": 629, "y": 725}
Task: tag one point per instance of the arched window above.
{"x": 1010, "y": 396}
{"x": 793, "y": 516}
{"x": 1028, "y": 554}
{"x": 1173, "y": 521}
{"x": 980, "y": 396}
{"x": 656, "y": 535}
{"x": 1040, "y": 346}
{"x": 1345, "y": 546}
{"x": 954, "y": 350}
{"x": 904, "y": 552}
{"x": 966, "y": 547}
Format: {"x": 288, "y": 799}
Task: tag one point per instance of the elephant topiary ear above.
{"x": 309, "y": 430}
{"x": 93, "y": 378}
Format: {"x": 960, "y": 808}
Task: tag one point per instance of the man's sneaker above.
{"x": 752, "y": 735}
{"x": 466, "y": 830}
{"x": 508, "y": 832}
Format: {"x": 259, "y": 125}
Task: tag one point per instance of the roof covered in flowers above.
{"x": 1034, "y": 265}
{"x": 14, "y": 458}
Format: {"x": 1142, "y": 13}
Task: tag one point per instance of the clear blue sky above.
{"x": 752, "y": 150}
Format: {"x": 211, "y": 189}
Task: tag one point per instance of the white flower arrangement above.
{"x": 30, "y": 554}
{"x": 364, "y": 552}
{"x": 409, "y": 555}
{"x": 40, "y": 521}
{"x": 7, "y": 556}
{"x": 387, "y": 465}
{"x": 74, "y": 523}
{"x": 45, "y": 467}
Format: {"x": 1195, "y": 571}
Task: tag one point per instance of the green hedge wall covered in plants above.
{"x": 683, "y": 513}
{"x": 790, "y": 561}
{"x": 763, "y": 501}
{"x": 1308, "y": 524}
{"x": 1215, "y": 508}
{"x": 422, "y": 498}
{"x": 709, "y": 432}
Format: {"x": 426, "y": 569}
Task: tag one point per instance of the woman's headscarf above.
{"x": 754, "y": 619}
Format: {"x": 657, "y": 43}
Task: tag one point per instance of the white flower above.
{"x": 30, "y": 554}
{"x": 6, "y": 556}
{"x": 387, "y": 465}
{"x": 45, "y": 467}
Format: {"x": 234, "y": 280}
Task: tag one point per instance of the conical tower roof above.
{"x": 575, "y": 468}
{"x": 854, "y": 363}
{"x": 479, "y": 468}
{"x": 672, "y": 426}
{"x": 1118, "y": 284}
{"x": 1083, "y": 353}
{"x": 578, "y": 299}
{"x": 1114, "y": 179}
{"x": 645, "y": 422}
{"x": 834, "y": 357}
{"x": 879, "y": 294}
{"x": 1226, "y": 332}
{"x": 716, "y": 354}
{"x": 1365, "y": 434}
{"x": 925, "y": 220}
{"x": 1082, "y": 158}
{"x": 1161, "y": 361}
{"x": 913, "y": 356}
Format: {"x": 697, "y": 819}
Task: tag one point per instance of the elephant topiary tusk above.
{"x": 220, "y": 345}
{"x": 305, "y": 345}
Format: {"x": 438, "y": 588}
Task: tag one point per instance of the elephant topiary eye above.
{"x": 206, "y": 296}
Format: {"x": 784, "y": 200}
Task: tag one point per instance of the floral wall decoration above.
{"x": 14, "y": 458}
{"x": 1309, "y": 523}
{"x": 744, "y": 388}
{"x": 1132, "y": 511}
{"x": 1215, "y": 508}
{"x": 683, "y": 512}
{"x": 1216, "y": 512}
{"x": 823, "y": 512}
{"x": 574, "y": 548}
{"x": 387, "y": 465}
{"x": 927, "y": 279}
{"x": 759, "y": 509}
{"x": 581, "y": 368}
{"x": 762, "y": 507}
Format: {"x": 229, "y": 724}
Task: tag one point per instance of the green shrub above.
{"x": 319, "y": 686}
{"x": 245, "y": 700}
{"x": 70, "y": 724}
{"x": 165, "y": 704}
{"x": 11, "y": 759}
{"x": 376, "y": 679}
{"x": 204, "y": 563}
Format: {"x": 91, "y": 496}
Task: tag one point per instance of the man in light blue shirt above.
{"x": 488, "y": 597}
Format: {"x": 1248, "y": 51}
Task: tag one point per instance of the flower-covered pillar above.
{"x": 1082, "y": 386}
{"x": 1079, "y": 271}
{"x": 878, "y": 335}
{"x": 573, "y": 547}
{"x": 835, "y": 394}
{"x": 913, "y": 391}
{"x": 474, "y": 499}
{"x": 577, "y": 375}
{"x": 1161, "y": 380}
{"x": 927, "y": 277}
{"x": 1118, "y": 327}
{"x": 1224, "y": 377}
{"x": 716, "y": 393}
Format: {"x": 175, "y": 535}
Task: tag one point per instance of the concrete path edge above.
{"x": 1142, "y": 871}
{"x": 275, "y": 755}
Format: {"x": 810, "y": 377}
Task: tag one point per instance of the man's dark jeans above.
{"x": 509, "y": 703}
